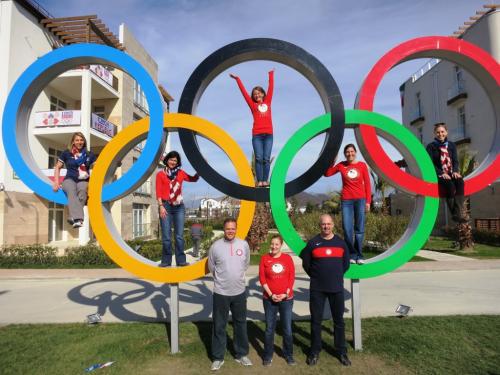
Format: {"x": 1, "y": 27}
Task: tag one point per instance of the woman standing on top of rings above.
{"x": 277, "y": 276}
{"x": 169, "y": 195}
{"x": 78, "y": 161}
{"x": 445, "y": 159}
{"x": 355, "y": 197}
{"x": 262, "y": 130}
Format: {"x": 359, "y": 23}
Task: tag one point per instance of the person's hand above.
{"x": 55, "y": 186}
{"x": 233, "y": 76}
{"x": 163, "y": 212}
{"x": 456, "y": 175}
{"x": 367, "y": 207}
{"x": 445, "y": 176}
{"x": 275, "y": 298}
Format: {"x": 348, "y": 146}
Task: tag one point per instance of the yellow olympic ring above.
{"x": 96, "y": 213}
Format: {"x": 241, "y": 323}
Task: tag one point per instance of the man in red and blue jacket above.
{"x": 325, "y": 259}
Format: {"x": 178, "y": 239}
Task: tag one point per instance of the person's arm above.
{"x": 429, "y": 149}
{"x": 159, "y": 185}
{"x": 56, "y": 185}
{"x": 211, "y": 259}
{"x": 345, "y": 258}
{"x": 270, "y": 87}
{"x": 306, "y": 258}
{"x": 247, "y": 255}
{"x": 244, "y": 92}
{"x": 368, "y": 187}
{"x": 262, "y": 278}
{"x": 454, "y": 160}
{"x": 192, "y": 178}
{"x": 332, "y": 169}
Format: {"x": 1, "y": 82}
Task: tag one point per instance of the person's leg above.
{"x": 270, "y": 312}
{"x": 74, "y": 206}
{"x": 178, "y": 222}
{"x": 219, "y": 322}
{"x": 285, "y": 308}
{"x": 347, "y": 226}
{"x": 258, "y": 151}
{"x": 359, "y": 226}
{"x": 447, "y": 190}
{"x": 459, "y": 199}
{"x": 166, "y": 235}
{"x": 82, "y": 188}
{"x": 238, "y": 308}
{"x": 316, "y": 307}
{"x": 337, "y": 308}
{"x": 196, "y": 246}
{"x": 268, "y": 146}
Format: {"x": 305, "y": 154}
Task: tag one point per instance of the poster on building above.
{"x": 57, "y": 118}
{"x": 102, "y": 73}
{"x": 102, "y": 126}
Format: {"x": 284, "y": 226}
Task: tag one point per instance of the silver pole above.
{"x": 356, "y": 314}
{"x": 174, "y": 318}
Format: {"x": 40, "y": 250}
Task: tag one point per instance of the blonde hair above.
{"x": 77, "y": 134}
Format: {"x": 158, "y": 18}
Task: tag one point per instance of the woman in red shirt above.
{"x": 277, "y": 276}
{"x": 169, "y": 195}
{"x": 356, "y": 199}
{"x": 262, "y": 131}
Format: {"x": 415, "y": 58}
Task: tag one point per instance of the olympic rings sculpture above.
{"x": 366, "y": 123}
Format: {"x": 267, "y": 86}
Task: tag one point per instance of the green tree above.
{"x": 380, "y": 186}
{"x": 332, "y": 204}
{"x": 467, "y": 163}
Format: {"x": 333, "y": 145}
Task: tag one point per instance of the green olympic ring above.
{"x": 406, "y": 248}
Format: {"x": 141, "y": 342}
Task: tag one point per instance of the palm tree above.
{"x": 467, "y": 163}
{"x": 332, "y": 204}
{"x": 380, "y": 186}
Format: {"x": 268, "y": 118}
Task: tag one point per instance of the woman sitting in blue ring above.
{"x": 78, "y": 161}
{"x": 171, "y": 207}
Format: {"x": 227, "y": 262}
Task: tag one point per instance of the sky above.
{"x": 348, "y": 37}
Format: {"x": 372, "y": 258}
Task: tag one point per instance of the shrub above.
{"x": 87, "y": 255}
{"x": 36, "y": 255}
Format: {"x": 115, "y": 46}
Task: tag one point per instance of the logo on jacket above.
{"x": 352, "y": 173}
{"x": 328, "y": 252}
{"x": 262, "y": 108}
{"x": 277, "y": 268}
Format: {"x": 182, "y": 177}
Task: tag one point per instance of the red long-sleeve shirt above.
{"x": 163, "y": 183}
{"x": 355, "y": 180}
{"x": 277, "y": 273}
{"x": 262, "y": 117}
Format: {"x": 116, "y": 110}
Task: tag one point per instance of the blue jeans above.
{"x": 262, "y": 146}
{"x": 271, "y": 311}
{"x": 221, "y": 307}
{"x": 353, "y": 223}
{"x": 175, "y": 216}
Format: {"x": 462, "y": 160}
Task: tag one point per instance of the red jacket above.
{"x": 355, "y": 180}
{"x": 277, "y": 273}
{"x": 262, "y": 117}
{"x": 163, "y": 183}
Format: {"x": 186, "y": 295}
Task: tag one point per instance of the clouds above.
{"x": 347, "y": 37}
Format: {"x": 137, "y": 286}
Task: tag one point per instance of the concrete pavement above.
{"x": 57, "y": 296}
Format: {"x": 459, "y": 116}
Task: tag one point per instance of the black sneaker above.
{"x": 164, "y": 265}
{"x": 344, "y": 360}
{"x": 267, "y": 362}
{"x": 312, "y": 360}
{"x": 78, "y": 223}
{"x": 291, "y": 362}
{"x": 183, "y": 264}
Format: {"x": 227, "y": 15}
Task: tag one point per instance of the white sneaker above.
{"x": 360, "y": 261}
{"x": 353, "y": 261}
{"x": 77, "y": 224}
{"x": 216, "y": 365}
{"x": 245, "y": 361}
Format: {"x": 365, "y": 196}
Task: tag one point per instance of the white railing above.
{"x": 424, "y": 69}
{"x": 456, "y": 89}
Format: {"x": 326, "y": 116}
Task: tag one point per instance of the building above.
{"x": 95, "y": 100}
{"x": 443, "y": 92}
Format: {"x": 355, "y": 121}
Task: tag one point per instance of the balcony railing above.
{"x": 457, "y": 134}
{"x": 53, "y": 119}
{"x": 144, "y": 189}
{"x": 424, "y": 69}
{"x": 416, "y": 116}
{"x": 457, "y": 91}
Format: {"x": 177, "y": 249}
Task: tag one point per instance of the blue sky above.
{"x": 347, "y": 37}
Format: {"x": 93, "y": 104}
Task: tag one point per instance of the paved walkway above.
{"x": 57, "y": 296}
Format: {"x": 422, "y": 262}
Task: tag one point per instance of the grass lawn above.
{"x": 425, "y": 345}
{"x": 481, "y": 251}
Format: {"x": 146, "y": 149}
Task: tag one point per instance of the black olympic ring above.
{"x": 273, "y": 50}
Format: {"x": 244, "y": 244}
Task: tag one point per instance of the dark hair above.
{"x": 228, "y": 220}
{"x": 259, "y": 88}
{"x": 439, "y": 125}
{"x": 349, "y": 146}
{"x": 278, "y": 237}
{"x": 170, "y": 155}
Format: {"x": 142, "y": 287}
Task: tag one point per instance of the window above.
{"x": 56, "y": 220}
{"x": 458, "y": 74}
{"x": 145, "y": 188}
{"x": 140, "y": 220}
{"x": 99, "y": 110}
{"x": 140, "y": 97}
{"x": 57, "y": 104}
{"x": 421, "y": 134}
{"x": 419, "y": 105}
{"x": 53, "y": 156}
{"x": 461, "y": 122}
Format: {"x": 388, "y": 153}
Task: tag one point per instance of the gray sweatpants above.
{"x": 77, "y": 197}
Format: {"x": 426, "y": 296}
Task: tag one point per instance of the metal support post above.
{"x": 356, "y": 314}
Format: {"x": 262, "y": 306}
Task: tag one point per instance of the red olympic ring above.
{"x": 417, "y": 48}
